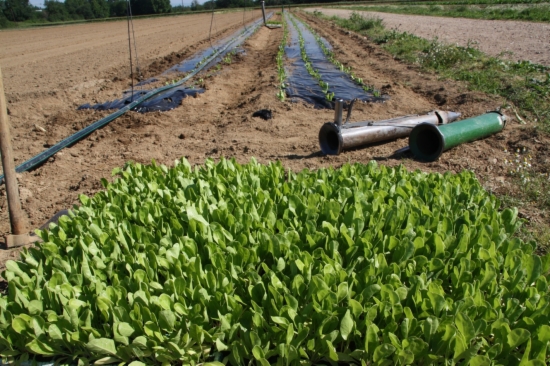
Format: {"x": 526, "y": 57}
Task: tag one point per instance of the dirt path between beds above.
{"x": 508, "y": 39}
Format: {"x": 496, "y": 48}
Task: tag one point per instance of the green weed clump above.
{"x": 358, "y": 23}
{"x": 524, "y": 84}
{"x": 254, "y": 264}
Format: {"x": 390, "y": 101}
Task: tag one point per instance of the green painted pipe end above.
{"x": 426, "y": 142}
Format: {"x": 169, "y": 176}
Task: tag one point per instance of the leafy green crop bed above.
{"x": 233, "y": 263}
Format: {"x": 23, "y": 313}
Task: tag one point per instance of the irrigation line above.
{"x": 45, "y": 155}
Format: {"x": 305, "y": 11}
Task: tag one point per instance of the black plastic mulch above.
{"x": 301, "y": 85}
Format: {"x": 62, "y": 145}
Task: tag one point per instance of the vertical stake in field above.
{"x": 128, "y": 12}
{"x": 263, "y": 12}
{"x": 18, "y": 220}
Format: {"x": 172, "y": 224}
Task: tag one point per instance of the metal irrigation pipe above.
{"x": 335, "y": 137}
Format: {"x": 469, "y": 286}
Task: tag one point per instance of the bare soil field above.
{"x": 219, "y": 122}
{"x": 513, "y": 40}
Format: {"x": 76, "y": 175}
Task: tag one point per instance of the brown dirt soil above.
{"x": 220, "y": 123}
{"x": 514, "y": 40}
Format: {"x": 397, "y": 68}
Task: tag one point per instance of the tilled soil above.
{"x": 509, "y": 39}
{"x": 220, "y": 123}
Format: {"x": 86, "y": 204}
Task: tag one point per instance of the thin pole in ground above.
{"x": 128, "y": 10}
{"x": 18, "y": 220}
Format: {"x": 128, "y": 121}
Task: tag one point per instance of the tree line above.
{"x": 16, "y": 11}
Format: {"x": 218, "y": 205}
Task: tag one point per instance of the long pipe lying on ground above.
{"x": 427, "y": 142}
{"x": 335, "y": 137}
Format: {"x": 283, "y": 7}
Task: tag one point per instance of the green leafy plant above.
{"x": 253, "y": 263}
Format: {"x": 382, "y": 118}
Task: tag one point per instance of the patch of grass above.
{"x": 535, "y": 183}
{"x": 537, "y": 231}
{"x": 539, "y": 12}
{"x": 523, "y": 84}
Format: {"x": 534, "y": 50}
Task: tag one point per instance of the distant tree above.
{"x": 18, "y": 10}
{"x": 143, "y": 7}
{"x": 79, "y": 9}
{"x": 118, "y": 8}
{"x": 161, "y": 6}
{"x": 195, "y": 5}
{"x": 209, "y": 5}
{"x": 56, "y": 11}
{"x": 100, "y": 8}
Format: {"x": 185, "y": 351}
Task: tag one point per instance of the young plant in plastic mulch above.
{"x": 281, "y": 94}
{"x": 309, "y": 67}
{"x": 331, "y": 57}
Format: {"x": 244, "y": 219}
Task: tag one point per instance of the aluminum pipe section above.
{"x": 427, "y": 142}
{"x": 335, "y": 138}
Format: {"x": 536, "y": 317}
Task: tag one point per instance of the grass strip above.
{"x": 538, "y": 13}
{"x": 347, "y": 70}
{"x": 523, "y": 84}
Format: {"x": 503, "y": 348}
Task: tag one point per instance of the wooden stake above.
{"x": 18, "y": 219}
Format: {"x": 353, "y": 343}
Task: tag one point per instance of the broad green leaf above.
{"x": 102, "y": 346}
{"x": 480, "y": 360}
{"x": 543, "y": 333}
{"x": 35, "y": 307}
{"x": 40, "y": 348}
{"x": 346, "y": 325}
{"x": 220, "y": 346}
{"x": 125, "y": 329}
{"x": 517, "y": 337}
{"x": 405, "y": 357}
{"x": 167, "y": 320}
{"x": 383, "y": 351}
{"x": 107, "y": 361}
{"x": 258, "y": 353}
{"x": 465, "y": 326}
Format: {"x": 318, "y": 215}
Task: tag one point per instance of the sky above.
{"x": 173, "y": 2}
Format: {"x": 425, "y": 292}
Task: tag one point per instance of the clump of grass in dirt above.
{"x": 539, "y": 13}
{"x": 358, "y": 23}
{"x": 523, "y": 84}
{"x": 534, "y": 183}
